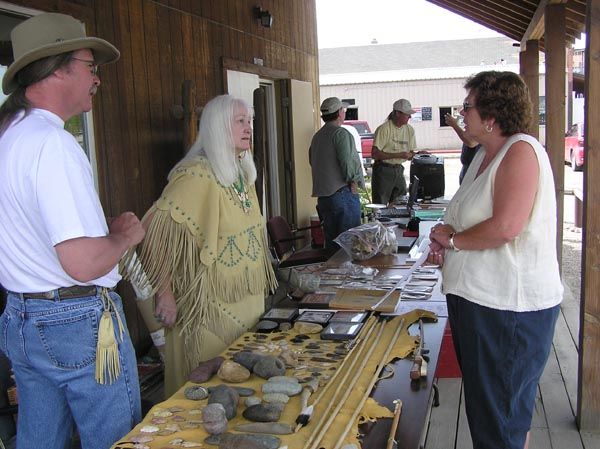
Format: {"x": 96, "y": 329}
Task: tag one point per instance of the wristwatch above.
{"x": 451, "y": 243}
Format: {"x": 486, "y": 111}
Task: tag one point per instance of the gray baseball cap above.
{"x": 404, "y": 106}
{"x": 331, "y": 105}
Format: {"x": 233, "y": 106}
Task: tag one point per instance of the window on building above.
{"x": 542, "y": 107}
{"x": 452, "y": 110}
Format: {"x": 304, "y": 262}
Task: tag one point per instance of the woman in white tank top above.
{"x": 500, "y": 272}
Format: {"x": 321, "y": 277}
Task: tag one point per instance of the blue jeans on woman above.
{"x": 339, "y": 212}
{"x": 502, "y": 355}
{"x": 52, "y": 347}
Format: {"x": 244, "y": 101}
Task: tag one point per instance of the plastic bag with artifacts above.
{"x": 367, "y": 240}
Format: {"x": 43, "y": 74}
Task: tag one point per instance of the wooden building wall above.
{"x": 163, "y": 43}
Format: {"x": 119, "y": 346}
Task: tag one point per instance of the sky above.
{"x": 345, "y": 23}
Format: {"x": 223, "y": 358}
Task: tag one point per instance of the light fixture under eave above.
{"x": 265, "y": 17}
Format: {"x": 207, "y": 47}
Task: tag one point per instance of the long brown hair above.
{"x": 28, "y": 75}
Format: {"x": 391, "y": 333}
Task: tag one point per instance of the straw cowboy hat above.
{"x": 51, "y": 34}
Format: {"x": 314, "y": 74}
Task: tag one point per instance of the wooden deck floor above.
{"x": 553, "y": 424}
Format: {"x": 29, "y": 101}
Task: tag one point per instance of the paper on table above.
{"x": 401, "y": 282}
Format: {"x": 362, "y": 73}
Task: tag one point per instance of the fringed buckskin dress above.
{"x": 209, "y": 240}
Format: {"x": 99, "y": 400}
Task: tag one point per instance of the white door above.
{"x": 242, "y": 85}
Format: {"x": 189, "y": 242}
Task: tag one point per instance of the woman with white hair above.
{"x": 204, "y": 255}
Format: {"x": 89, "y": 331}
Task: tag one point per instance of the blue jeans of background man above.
{"x": 502, "y": 355}
{"x": 339, "y": 212}
{"x": 52, "y": 347}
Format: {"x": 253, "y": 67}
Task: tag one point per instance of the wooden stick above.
{"x": 348, "y": 390}
{"x": 397, "y": 411}
{"x": 350, "y": 356}
{"x": 353, "y": 356}
{"x": 374, "y": 379}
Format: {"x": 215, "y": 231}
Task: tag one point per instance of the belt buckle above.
{"x": 48, "y": 294}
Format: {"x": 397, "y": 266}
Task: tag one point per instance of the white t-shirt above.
{"x": 47, "y": 196}
{"x": 357, "y": 145}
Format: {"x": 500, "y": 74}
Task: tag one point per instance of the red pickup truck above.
{"x": 366, "y": 139}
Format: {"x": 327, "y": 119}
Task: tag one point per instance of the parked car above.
{"x": 574, "y": 147}
{"x": 366, "y": 139}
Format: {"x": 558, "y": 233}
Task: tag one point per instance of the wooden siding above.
{"x": 163, "y": 43}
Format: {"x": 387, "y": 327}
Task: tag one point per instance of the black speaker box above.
{"x": 430, "y": 171}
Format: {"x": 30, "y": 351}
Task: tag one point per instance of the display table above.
{"x": 356, "y": 391}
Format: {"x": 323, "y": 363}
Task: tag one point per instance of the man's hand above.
{"x": 88, "y": 258}
{"x": 129, "y": 226}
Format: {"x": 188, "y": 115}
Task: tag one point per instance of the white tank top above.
{"x": 521, "y": 275}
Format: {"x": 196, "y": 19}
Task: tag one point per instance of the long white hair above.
{"x": 215, "y": 141}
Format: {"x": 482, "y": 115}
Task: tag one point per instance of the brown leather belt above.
{"x": 74, "y": 291}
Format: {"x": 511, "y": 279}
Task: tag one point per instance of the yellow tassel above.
{"x": 108, "y": 366}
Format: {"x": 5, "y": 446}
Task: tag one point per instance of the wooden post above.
{"x": 190, "y": 117}
{"x": 555, "y": 35}
{"x": 260, "y": 145}
{"x": 529, "y": 62}
{"x": 188, "y": 112}
{"x": 588, "y": 394}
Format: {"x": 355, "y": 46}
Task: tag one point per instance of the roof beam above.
{"x": 535, "y": 30}
{"x": 509, "y": 29}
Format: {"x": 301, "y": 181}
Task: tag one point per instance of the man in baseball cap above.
{"x": 63, "y": 327}
{"x": 393, "y": 144}
{"x": 336, "y": 172}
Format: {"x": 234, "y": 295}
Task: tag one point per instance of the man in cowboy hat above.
{"x": 336, "y": 172}
{"x": 63, "y": 327}
{"x": 393, "y": 144}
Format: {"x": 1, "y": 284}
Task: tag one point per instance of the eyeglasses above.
{"x": 467, "y": 106}
{"x": 92, "y": 64}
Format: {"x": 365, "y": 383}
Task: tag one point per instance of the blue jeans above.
{"x": 52, "y": 347}
{"x": 502, "y": 355}
{"x": 340, "y": 212}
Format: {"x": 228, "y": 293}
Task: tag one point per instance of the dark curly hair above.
{"x": 504, "y": 97}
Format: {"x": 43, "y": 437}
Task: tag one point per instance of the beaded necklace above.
{"x": 242, "y": 193}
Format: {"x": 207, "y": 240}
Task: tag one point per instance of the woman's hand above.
{"x": 436, "y": 254}
{"x": 166, "y": 307}
{"x": 441, "y": 233}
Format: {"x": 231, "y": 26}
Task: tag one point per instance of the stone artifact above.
{"x": 248, "y": 441}
{"x": 233, "y": 372}
{"x": 213, "y": 440}
{"x": 266, "y": 326}
{"x": 307, "y": 328}
{"x": 269, "y": 366}
{"x": 285, "y": 326}
{"x": 205, "y": 370}
{"x": 227, "y": 397}
{"x": 247, "y": 358}
{"x": 287, "y": 387}
{"x": 289, "y": 358}
{"x": 243, "y": 391}
{"x": 141, "y": 439}
{"x": 214, "y": 419}
{"x": 272, "y": 428}
{"x": 252, "y": 400}
{"x": 195, "y": 393}
{"x": 276, "y": 397}
{"x": 264, "y": 412}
